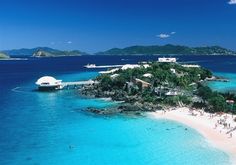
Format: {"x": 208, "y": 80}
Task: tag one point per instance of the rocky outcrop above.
{"x": 133, "y": 104}
{"x": 3, "y": 56}
{"x": 48, "y": 52}
{"x": 125, "y": 108}
{"x": 42, "y": 53}
{"x": 107, "y": 111}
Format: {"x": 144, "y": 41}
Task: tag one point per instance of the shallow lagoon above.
{"x": 225, "y": 86}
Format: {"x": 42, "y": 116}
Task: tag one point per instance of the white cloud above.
{"x": 232, "y": 2}
{"x": 69, "y": 42}
{"x": 163, "y": 36}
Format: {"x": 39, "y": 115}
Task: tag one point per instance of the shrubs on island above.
{"x": 177, "y": 100}
{"x": 187, "y": 81}
{"x": 215, "y": 101}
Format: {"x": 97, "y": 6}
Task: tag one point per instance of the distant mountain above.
{"x": 3, "y": 56}
{"x": 168, "y": 49}
{"x": 42, "y": 52}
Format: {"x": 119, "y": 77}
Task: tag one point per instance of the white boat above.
{"x": 48, "y": 83}
{"x": 90, "y": 66}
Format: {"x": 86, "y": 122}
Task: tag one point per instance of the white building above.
{"x": 109, "y": 71}
{"x": 191, "y": 66}
{"x": 146, "y": 66}
{"x": 163, "y": 59}
{"x": 114, "y": 76}
{"x": 148, "y": 75}
{"x": 49, "y": 83}
{"x": 172, "y": 93}
{"x": 144, "y": 83}
{"x": 173, "y": 70}
{"x": 130, "y": 66}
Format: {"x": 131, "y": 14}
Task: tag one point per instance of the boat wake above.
{"x": 22, "y": 90}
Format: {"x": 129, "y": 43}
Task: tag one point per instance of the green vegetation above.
{"x": 3, "y": 56}
{"x": 182, "y": 81}
{"x": 162, "y": 75}
{"x": 168, "y": 49}
{"x": 53, "y": 53}
{"x": 215, "y": 101}
{"x": 168, "y": 84}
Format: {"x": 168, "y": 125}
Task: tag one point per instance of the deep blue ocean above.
{"x": 51, "y": 128}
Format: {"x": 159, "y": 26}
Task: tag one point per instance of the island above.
{"x": 168, "y": 49}
{"x": 154, "y": 85}
{"x": 55, "y": 53}
{"x": 43, "y": 52}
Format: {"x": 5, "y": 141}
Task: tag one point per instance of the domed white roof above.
{"x": 47, "y": 80}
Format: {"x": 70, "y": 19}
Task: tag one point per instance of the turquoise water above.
{"x": 225, "y": 86}
{"x": 44, "y": 135}
{"x": 51, "y": 128}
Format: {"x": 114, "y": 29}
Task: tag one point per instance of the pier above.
{"x": 219, "y": 79}
{"x": 47, "y": 83}
{"x": 93, "y": 66}
{"x": 78, "y": 83}
{"x": 89, "y": 82}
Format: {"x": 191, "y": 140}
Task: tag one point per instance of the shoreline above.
{"x": 205, "y": 124}
{"x": 13, "y": 59}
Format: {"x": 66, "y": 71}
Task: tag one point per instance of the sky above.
{"x": 98, "y": 25}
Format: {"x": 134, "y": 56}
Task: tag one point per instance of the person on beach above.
{"x": 164, "y": 111}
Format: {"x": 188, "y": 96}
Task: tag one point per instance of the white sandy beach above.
{"x": 206, "y": 125}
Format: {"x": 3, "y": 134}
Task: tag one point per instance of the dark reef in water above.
{"x": 123, "y": 108}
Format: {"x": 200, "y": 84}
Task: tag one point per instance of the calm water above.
{"x": 51, "y": 128}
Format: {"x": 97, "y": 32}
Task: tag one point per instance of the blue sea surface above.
{"x": 225, "y": 86}
{"x": 43, "y": 128}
